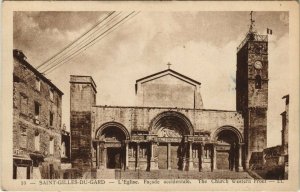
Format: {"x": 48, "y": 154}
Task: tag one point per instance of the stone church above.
{"x": 169, "y": 128}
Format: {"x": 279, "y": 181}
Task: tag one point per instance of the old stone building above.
{"x": 169, "y": 128}
{"x": 285, "y": 136}
{"x": 252, "y": 92}
{"x": 36, "y": 122}
{"x": 275, "y": 159}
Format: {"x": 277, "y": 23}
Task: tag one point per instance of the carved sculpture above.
{"x": 168, "y": 132}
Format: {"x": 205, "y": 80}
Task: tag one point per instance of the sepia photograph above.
{"x": 151, "y": 97}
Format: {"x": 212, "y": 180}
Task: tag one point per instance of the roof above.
{"x": 19, "y": 55}
{"x": 83, "y": 79}
{"x": 170, "y": 71}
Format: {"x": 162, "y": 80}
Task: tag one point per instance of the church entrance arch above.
{"x": 170, "y": 128}
{"x": 228, "y": 148}
{"x": 111, "y": 137}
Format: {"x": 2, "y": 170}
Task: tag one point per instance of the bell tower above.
{"x": 252, "y": 91}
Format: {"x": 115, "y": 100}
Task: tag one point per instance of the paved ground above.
{"x": 176, "y": 174}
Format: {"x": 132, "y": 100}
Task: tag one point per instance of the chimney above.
{"x": 19, "y": 54}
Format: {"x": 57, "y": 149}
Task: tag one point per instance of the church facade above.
{"x": 169, "y": 128}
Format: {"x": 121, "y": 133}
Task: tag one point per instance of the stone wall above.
{"x": 140, "y": 118}
{"x": 83, "y": 97}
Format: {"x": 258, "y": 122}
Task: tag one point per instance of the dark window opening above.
{"x": 28, "y": 173}
{"x": 51, "y": 171}
{"x": 257, "y": 82}
{"x": 51, "y": 119}
{"x": 16, "y": 79}
{"x": 15, "y": 172}
{"x": 37, "y": 107}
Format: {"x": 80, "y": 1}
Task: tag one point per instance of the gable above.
{"x": 169, "y": 79}
{"x": 168, "y": 89}
{"x": 168, "y": 72}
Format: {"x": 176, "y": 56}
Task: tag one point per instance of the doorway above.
{"x": 175, "y": 156}
{"x": 227, "y": 150}
{"x": 162, "y": 156}
{"x": 114, "y": 158}
{"x": 223, "y": 160}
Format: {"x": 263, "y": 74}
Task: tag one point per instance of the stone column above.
{"x": 104, "y": 154}
{"x": 153, "y": 164}
{"x": 169, "y": 156}
{"x": 151, "y": 151}
{"x": 137, "y": 156}
{"x": 201, "y": 157}
{"x": 126, "y": 154}
{"x": 184, "y": 157}
{"x": 240, "y": 166}
{"x": 98, "y": 155}
{"x": 214, "y": 157}
{"x": 101, "y": 156}
{"x": 190, "y": 156}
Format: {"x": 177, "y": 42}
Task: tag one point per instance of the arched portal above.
{"x": 170, "y": 128}
{"x": 172, "y": 120}
{"x": 112, "y": 136}
{"x": 228, "y": 148}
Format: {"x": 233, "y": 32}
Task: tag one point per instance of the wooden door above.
{"x": 174, "y": 156}
{"x": 222, "y": 159}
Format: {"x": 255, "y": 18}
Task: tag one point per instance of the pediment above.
{"x": 168, "y": 74}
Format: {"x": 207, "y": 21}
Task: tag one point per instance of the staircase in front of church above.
{"x": 106, "y": 174}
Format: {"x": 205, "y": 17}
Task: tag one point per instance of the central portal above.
{"x": 171, "y": 156}
{"x": 171, "y": 128}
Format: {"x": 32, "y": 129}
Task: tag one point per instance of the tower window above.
{"x": 257, "y": 82}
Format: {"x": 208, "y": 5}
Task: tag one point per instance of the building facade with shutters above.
{"x": 169, "y": 128}
{"x": 37, "y": 117}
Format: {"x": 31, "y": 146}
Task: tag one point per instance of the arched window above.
{"x": 257, "y": 82}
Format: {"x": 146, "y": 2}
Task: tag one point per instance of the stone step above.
{"x": 106, "y": 174}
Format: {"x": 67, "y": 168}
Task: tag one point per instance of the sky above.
{"x": 200, "y": 45}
